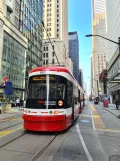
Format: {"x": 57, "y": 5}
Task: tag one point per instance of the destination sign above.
{"x": 36, "y": 78}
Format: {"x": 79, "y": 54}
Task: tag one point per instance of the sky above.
{"x": 79, "y": 19}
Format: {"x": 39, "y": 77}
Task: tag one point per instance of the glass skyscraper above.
{"x": 74, "y": 53}
{"x": 32, "y": 29}
{"x": 22, "y": 42}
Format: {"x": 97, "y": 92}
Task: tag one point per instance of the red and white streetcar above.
{"x": 54, "y": 99}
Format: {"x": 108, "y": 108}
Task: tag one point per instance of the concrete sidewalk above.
{"x": 112, "y": 109}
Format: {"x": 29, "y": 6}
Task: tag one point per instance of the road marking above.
{"x": 93, "y": 121}
{"x": 7, "y": 132}
{"x": 109, "y": 130}
{"x": 84, "y": 120}
{"x": 83, "y": 144}
{"x": 11, "y": 119}
{"x": 96, "y": 119}
{"x": 85, "y": 115}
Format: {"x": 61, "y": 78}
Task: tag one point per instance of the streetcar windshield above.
{"x": 39, "y": 90}
{"x": 44, "y": 91}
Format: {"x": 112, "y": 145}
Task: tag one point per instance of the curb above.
{"x": 118, "y": 116}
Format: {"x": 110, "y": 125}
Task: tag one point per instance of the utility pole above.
{"x": 98, "y": 90}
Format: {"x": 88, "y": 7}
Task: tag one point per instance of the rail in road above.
{"x": 32, "y": 144}
{"x": 76, "y": 143}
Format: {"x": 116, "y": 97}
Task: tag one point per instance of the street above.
{"x": 95, "y": 136}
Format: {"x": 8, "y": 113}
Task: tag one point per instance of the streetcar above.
{"x": 54, "y": 99}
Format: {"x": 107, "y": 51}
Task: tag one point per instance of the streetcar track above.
{"x": 14, "y": 118}
{"x": 11, "y": 126}
{"x": 37, "y": 155}
{"x": 13, "y": 139}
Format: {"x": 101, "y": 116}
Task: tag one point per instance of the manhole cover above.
{"x": 114, "y": 158}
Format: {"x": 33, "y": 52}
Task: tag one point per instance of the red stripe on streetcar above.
{"x": 33, "y": 112}
{"x": 51, "y": 68}
{"x": 44, "y": 112}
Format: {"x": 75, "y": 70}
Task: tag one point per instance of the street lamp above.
{"x": 118, "y": 43}
{"x": 97, "y": 86}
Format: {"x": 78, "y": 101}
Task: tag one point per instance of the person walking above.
{"x": 18, "y": 103}
{"x": 117, "y": 103}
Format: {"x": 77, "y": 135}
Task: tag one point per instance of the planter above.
{"x": 6, "y": 108}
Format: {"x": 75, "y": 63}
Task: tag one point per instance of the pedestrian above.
{"x": 117, "y": 103}
{"x": 18, "y": 102}
{"x": 24, "y": 103}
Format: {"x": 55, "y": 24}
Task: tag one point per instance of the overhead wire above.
{"x": 50, "y": 43}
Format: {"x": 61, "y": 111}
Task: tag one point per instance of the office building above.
{"x": 20, "y": 41}
{"x": 113, "y": 33}
{"x": 98, "y": 6}
{"x": 81, "y": 78}
{"x": 74, "y": 53}
{"x": 99, "y": 45}
{"x": 55, "y": 18}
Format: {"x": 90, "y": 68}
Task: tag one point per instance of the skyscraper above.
{"x": 98, "y": 6}
{"x": 113, "y": 33}
{"x": 20, "y": 40}
{"x": 55, "y": 19}
{"x": 99, "y": 45}
{"x": 74, "y": 53}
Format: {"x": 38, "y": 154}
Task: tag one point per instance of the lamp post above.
{"x": 118, "y": 43}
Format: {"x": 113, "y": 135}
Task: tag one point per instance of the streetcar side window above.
{"x": 69, "y": 94}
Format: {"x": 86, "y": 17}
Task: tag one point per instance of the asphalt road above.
{"x": 95, "y": 136}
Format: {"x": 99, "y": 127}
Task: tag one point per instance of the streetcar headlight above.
{"x": 60, "y": 103}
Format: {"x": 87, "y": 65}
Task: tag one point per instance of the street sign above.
{"x": 8, "y": 88}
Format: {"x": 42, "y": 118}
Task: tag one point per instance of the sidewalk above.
{"x": 112, "y": 109}
{"x": 11, "y": 113}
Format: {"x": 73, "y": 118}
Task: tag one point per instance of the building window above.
{"x": 16, "y": 22}
{"x": 46, "y": 48}
{"x": 57, "y": 20}
{"x": 8, "y": 14}
{"x": 57, "y": 15}
{"x": 57, "y": 35}
{"x": 57, "y": 30}
{"x": 47, "y": 55}
{"x": 53, "y": 54}
{"x": 46, "y": 62}
{"x": 57, "y": 10}
{"x": 57, "y": 6}
{"x": 44, "y": 55}
{"x": 53, "y": 47}
{"x": 57, "y": 25}
{"x": 43, "y": 62}
{"x": 53, "y": 61}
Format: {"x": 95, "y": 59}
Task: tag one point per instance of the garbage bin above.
{"x": 105, "y": 103}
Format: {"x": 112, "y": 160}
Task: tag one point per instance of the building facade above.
{"x": 113, "y": 32}
{"x": 74, "y": 53}
{"x": 55, "y": 17}
{"x": 98, "y": 6}
{"x": 99, "y": 45}
{"x": 81, "y": 82}
{"x": 20, "y": 41}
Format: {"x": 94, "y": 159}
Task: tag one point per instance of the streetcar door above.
{"x": 79, "y": 100}
{"x": 73, "y": 109}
